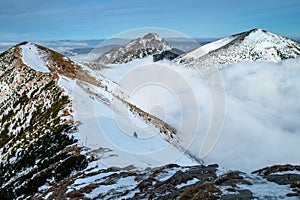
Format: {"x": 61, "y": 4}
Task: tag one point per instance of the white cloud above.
{"x": 263, "y": 113}
{"x": 262, "y": 108}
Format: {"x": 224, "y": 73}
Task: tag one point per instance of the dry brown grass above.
{"x": 62, "y": 65}
{"x": 295, "y": 185}
{"x": 75, "y": 194}
{"x": 164, "y": 127}
{"x": 232, "y": 176}
{"x": 89, "y": 188}
{"x": 206, "y": 191}
{"x": 277, "y": 168}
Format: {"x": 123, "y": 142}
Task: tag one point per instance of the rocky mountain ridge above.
{"x": 36, "y": 125}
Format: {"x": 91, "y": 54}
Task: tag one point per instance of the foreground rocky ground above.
{"x": 176, "y": 182}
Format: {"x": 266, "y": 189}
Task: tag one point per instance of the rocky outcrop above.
{"x": 169, "y": 55}
{"x": 283, "y": 175}
{"x": 167, "y": 182}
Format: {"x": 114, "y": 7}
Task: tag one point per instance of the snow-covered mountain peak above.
{"x": 263, "y": 39}
{"x": 256, "y": 44}
{"x": 150, "y": 44}
{"x": 43, "y": 59}
{"x": 152, "y": 36}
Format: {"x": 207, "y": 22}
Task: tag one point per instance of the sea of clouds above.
{"x": 258, "y": 117}
{"x": 263, "y": 114}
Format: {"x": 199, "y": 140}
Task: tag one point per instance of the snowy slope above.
{"x": 205, "y": 49}
{"x": 107, "y": 124}
{"x": 33, "y": 57}
{"x": 253, "y": 45}
{"x": 105, "y": 119}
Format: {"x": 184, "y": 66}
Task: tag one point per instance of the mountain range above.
{"x": 51, "y": 146}
{"x": 253, "y": 45}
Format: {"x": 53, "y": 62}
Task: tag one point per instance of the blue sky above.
{"x": 96, "y": 19}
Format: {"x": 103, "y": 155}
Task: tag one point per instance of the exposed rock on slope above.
{"x": 169, "y": 182}
{"x": 169, "y": 55}
{"x": 35, "y": 114}
{"x": 283, "y": 175}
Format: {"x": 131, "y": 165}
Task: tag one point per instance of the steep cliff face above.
{"x": 35, "y": 145}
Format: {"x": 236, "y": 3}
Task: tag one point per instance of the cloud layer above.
{"x": 263, "y": 113}
{"x": 261, "y": 126}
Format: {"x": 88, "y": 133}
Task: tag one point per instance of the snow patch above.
{"x": 33, "y": 57}
{"x": 287, "y": 172}
{"x": 189, "y": 182}
{"x": 201, "y": 51}
{"x": 263, "y": 189}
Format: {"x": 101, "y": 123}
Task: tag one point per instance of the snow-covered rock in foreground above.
{"x": 256, "y": 44}
{"x": 173, "y": 182}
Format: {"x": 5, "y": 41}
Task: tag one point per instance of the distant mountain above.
{"x": 150, "y": 44}
{"x": 256, "y": 44}
{"x": 186, "y": 44}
